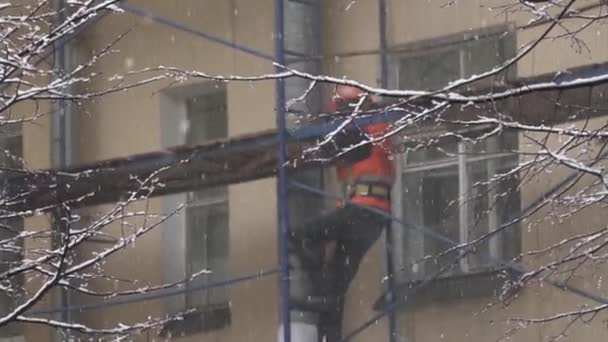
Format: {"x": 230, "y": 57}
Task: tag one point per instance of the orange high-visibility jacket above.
{"x": 377, "y": 168}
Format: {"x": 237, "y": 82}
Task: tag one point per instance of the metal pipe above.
{"x": 390, "y": 266}
{"x": 160, "y": 295}
{"x": 390, "y": 263}
{"x": 283, "y": 212}
{"x": 382, "y": 9}
{"x": 302, "y": 40}
{"x": 61, "y": 153}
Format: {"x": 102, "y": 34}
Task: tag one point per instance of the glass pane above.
{"x": 10, "y": 158}
{"x": 490, "y": 206}
{"x": 482, "y": 55}
{"x": 436, "y": 68}
{"x": 508, "y": 141}
{"x": 301, "y": 28}
{"x": 207, "y": 244}
{"x": 10, "y": 255}
{"x": 431, "y": 201}
{"x": 431, "y": 154}
{"x": 207, "y": 117}
{"x": 508, "y": 208}
{"x": 479, "y": 212}
{"x": 218, "y": 252}
{"x": 440, "y": 213}
{"x": 504, "y": 142}
{"x": 429, "y": 71}
{"x": 482, "y": 147}
{"x": 205, "y": 196}
{"x": 413, "y": 240}
{"x": 10, "y": 250}
{"x": 11, "y": 151}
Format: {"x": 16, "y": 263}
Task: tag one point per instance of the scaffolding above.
{"x": 244, "y": 150}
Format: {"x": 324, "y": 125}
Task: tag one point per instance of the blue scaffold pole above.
{"x": 282, "y": 181}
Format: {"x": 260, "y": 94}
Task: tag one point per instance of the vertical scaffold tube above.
{"x": 390, "y": 265}
{"x": 283, "y": 213}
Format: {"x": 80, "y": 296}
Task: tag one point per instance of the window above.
{"x": 207, "y": 210}
{"x": 10, "y": 251}
{"x": 450, "y": 190}
{"x": 202, "y": 243}
{"x": 447, "y": 61}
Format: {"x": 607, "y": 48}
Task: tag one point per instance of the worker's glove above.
{"x": 345, "y": 140}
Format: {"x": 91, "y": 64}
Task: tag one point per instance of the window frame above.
{"x": 209, "y": 199}
{"x": 13, "y": 131}
{"x": 462, "y": 162}
{"x": 177, "y": 258}
{"x": 447, "y": 43}
{"x": 421, "y": 48}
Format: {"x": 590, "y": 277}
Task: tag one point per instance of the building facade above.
{"x": 232, "y": 230}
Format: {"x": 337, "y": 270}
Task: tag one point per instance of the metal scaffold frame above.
{"x": 284, "y": 185}
{"x": 283, "y": 214}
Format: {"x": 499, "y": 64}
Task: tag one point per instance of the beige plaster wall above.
{"x": 129, "y": 122}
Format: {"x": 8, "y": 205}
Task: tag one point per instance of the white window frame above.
{"x": 446, "y": 43}
{"x": 421, "y": 48}
{"x": 415, "y": 249}
{"x": 174, "y": 129}
{"x": 211, "y": 298}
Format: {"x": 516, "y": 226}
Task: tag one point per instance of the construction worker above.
{"x": 325, "y": 253}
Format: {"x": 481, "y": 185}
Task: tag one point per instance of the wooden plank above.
{"x": 239, "y": 159}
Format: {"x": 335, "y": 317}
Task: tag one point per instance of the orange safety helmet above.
{"x": 344, "y": 95}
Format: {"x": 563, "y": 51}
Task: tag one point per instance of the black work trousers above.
{"x": 319, "y": 280}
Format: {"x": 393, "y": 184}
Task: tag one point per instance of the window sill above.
{"x": 458, "y": 287}
{"x": 202, "y": 320}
